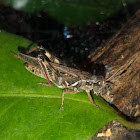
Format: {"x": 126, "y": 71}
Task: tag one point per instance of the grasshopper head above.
{"x": 98, "y": 83}
{"x": 93, "y": 84}
{"x": 102, "y": 87}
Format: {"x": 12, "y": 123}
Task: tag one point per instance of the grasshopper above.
{"x": 71, "y": 80}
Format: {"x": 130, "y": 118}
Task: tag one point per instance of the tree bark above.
{"x": 121, "y": 54}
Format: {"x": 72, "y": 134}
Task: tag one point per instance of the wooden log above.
{"x": 121, "y": 54}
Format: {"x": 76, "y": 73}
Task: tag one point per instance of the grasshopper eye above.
{"x": 88, "y": 83}
{"x": 99, "y": 82}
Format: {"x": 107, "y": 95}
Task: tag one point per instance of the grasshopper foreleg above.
{"x": 91, "y": 99}
{"x": 66, "y": 90}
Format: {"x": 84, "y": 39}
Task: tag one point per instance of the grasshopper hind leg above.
{"x": 45, "y": 74}
{"x": 51, "y": 57}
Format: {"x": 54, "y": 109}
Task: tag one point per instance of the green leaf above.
{"x": 72, "y": 12}
{"x": 30, "y": 111}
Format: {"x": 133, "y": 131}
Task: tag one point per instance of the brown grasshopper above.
{"x": 69, "y": 79}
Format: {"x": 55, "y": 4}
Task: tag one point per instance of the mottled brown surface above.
{"x": 122, "y": 54}
{"x": 115, "y": 131}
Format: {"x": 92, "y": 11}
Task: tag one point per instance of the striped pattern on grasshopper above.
{"x": 71, "y": 80}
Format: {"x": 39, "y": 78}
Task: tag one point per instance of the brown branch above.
{"x": 122, "y": 54}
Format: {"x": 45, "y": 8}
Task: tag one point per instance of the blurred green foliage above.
{"x": 72, "y": 12}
